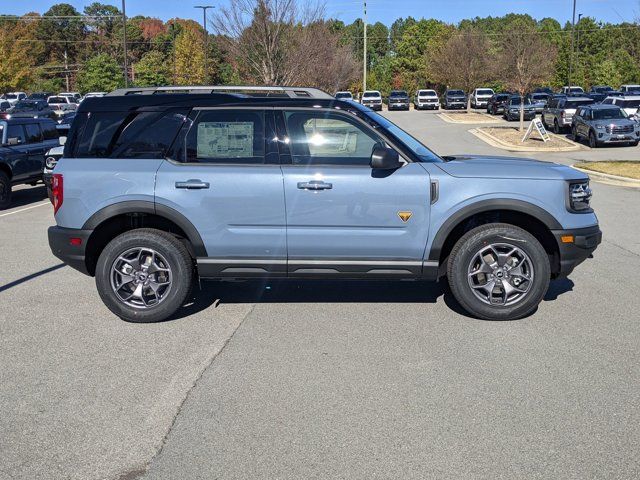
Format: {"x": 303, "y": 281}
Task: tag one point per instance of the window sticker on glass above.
{"x": 225, "y": 139}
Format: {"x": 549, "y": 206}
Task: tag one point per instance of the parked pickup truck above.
{"x": 454, "y": 99}
{"x": 426, "y": 99}
{"x": 480, "y": 97}
{"x": 156, "y": 190}
{"x": 24, "y": 142}
{"x": 558, "y": 113}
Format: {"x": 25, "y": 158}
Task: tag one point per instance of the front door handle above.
{"x": 193, "y": 184}
{"x": 314, "y": 185}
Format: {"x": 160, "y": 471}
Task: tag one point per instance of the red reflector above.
{"x": 57, "y": 189}
{"x": 75, "y": 241}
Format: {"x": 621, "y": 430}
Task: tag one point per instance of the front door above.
{"x": 343, "y": 217}
{"x": 226, "y": 180}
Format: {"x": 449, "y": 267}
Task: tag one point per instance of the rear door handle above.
{"x": 192, "y": 184}
{"x": 315, "y": 185}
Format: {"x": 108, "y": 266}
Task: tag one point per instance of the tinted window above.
{"x": 322, "y": 138}
{"x": 226, "y": 136}
{"x": 33, "y": 133}
{"x": 16, "y": 131}
{"x": 49, "y": 131}
{"x": 371, "y": 95}
{"x": 485, "y": 92}
{"x": 630, "y": 103}
{"x": 57, "y": 100}
{"x": 98, "y": 134}
{"x": 609, "y": 114}
{"x": 455, "y": 92}
{"x": 148, "y": 134}
{"x": 577, "y": 103}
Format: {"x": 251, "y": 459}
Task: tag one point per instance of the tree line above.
{"x": 292, "y": 42}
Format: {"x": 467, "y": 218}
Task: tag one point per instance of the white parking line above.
{"x": 27, "y": 208}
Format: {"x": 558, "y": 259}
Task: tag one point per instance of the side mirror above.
{"x": 13, "y": 141}
{"x": 385, "y": 158}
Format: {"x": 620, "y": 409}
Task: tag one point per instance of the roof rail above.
{"x": 292, "y": 92}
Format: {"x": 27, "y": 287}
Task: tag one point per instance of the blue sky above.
{"x": 385, "y": 11}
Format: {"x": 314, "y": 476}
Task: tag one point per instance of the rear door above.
{"x": 18, "y": 155}
{"x": 343, "y": 218}
{"x": 224, "y": 177}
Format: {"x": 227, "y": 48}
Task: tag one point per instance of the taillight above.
{"x": 57, "y": 191}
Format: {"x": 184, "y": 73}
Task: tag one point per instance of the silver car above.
{"x": 604, "y": 124}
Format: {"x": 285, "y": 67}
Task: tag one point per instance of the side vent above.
{"x": 435, "y": 191}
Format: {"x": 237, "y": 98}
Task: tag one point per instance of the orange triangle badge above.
{"x": 405, "y": 216}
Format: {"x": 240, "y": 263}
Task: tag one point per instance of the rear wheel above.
{"x": 498, "y": 272}
{"x": 144, "y": 275}
{"x": 5, "y": 191}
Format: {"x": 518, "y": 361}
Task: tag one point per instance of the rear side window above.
{"x": 33, "y": 133}
{"x": 134, "y": 135}
{"x": 49, "y": 131}
{"x": 225, "y": 137}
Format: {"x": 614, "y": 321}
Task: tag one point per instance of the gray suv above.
{"x": 558, "y": 113}
{"x": 158, "y": 188}
{"x": 604, "y": 124}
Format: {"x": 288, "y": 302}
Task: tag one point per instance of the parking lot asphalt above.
{"x": 322, "y": 379}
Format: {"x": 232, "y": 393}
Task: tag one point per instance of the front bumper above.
{"x": 572, "y": 254}
{"x": 399, "y": 106}
{"x": 429, "y": 105}
{"x": 605, "y": 137}
{"x": 373, "y": 106}
{"x": 61, "y": 247}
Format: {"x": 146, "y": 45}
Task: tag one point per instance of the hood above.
{"x": 475, "y": 166}
{"x": 530, "y": 106}
{"x": 619, "y": 122}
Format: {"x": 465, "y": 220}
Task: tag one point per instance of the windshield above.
{"x": 427, "y": 93}
{"x": 576, "y": 90}
{"x": 414, "y": 145}
{"x": 455, "y": 92}
{"x": 609, "y": 114}
{"x": 630, "y": 103}
{"x": 57, "y": 100}
{"x": 371, "y": 95}
{"x": 11, "y": 96}
{"x": 516, "y": 101}
{"x": 25, "y": 106}
{"x": 485, "y": 91}
{"x": 343, "y": 95}
{"x": 577, "y": 103}
{"x": 539, "y": 96}
{"x": 398, "y": 93}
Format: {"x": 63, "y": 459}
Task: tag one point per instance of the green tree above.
{"x": 189, "y": 55}
{"x": 63, "y": 31}
{"x": 100, "y": 73}
{"x": 151, "y": 70}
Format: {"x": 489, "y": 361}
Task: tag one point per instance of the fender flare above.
{"x": 487, "y": 206}
{"x": 142, "y": 206}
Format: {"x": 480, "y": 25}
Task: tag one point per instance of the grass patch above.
{"x": 622, "y": 169}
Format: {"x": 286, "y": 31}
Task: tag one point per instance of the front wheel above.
{"x": 498, "y": 272}
{"x": 593, "y": 142}
{"x": 556, "y": 127}
{"x": 144, "y": 275}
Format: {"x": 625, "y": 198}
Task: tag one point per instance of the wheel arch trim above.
{"x": 142, "y": 206}
{"x": 484, "y": 206}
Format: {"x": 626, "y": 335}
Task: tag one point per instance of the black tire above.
{"x": 178, "y": 259}
{"x": 467, "y": 248}
{"x": 574, "y": 133}
{"x": 556, "y": 127}
{"x": 5, "y": 191}
{"x": 635, "y": 144}
{"x": 593, "y": 142}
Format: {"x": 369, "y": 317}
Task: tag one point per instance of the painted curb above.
{"x": 609, "y": 179}
{"x": 495, "y": 142}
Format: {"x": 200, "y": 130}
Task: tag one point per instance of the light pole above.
{"x": 124, "y": 44}
{"x": 206, "y": 38}
{"x": 364, "y": 69}
{"x": 573, "y": 31}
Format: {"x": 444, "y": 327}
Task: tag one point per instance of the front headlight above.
{"x": 579, "y": 196}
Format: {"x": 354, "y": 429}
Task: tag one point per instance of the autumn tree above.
{"x": 526, "y": 60}
{"x": 16, "y": 60}
{"x": 189, "y": 55}
{"x": 464, "y": 61}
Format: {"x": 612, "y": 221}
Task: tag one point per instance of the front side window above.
{"x": 326, "y": 138}
{"x": 227, "y": 137}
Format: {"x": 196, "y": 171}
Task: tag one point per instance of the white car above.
{"x": 94, "y": 94}
{"x": 74, "y": 96}
{"x": 343, "y": 95}
{"x": 573, "y": 90}
{"x": 480, "y": 97}
{"x": 629, "y": 88}
{"x": 14, "y": 97}
{"x": 61, "y": 104}
{"x": 426, "y": 98}
{"x": 629, "y": 103}
{"x": 372, "y": 99}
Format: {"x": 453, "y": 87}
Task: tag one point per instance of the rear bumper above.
{"x": 572, "y": 254}
{"x": 61, "y": 247}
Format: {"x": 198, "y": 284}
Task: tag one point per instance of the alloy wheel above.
{"x": 141, "y": 277}
{"x": 500, "y": 274}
